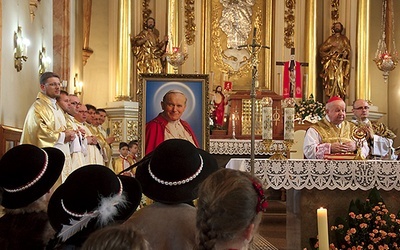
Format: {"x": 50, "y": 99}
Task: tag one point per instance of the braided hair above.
{"x": 227, "y": 205}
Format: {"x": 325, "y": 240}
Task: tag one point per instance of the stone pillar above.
{"x": 123, "y": 122}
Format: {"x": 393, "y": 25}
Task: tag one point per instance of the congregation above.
{"x": 61, "y": 189}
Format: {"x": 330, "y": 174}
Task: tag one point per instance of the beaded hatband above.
{"x": 176, "y": 183}
{"x": 31, "y": 183}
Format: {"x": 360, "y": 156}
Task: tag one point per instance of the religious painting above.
{"x": 193, "y": 88}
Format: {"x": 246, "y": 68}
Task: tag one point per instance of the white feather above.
{"x": 76, "y": 225}
{"x": 105, "y": 212}
{"x": 108, "y": 208}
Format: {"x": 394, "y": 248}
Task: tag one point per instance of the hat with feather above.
{"x": 90, "y": 198}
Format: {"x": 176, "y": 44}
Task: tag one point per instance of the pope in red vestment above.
{"x": 168, "y": 125}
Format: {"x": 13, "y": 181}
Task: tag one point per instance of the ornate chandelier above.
{"x": 386, "y": 57}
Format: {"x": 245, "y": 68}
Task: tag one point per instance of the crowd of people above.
{"x": 61, "y": 188}
{"x": 94, "y": 208}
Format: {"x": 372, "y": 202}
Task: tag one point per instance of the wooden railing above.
{"x": 9, "y": 137}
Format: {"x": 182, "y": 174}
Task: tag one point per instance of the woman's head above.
{"x": 228, "y": 208}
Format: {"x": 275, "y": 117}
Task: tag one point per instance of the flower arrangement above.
{"x": 368, "y": 225}
{"x": 309, "y": 110}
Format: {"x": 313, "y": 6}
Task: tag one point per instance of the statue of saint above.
{"x": 149, "y": 50}
{"x": 335, "y": 58}
{"x": 219, "y": 101}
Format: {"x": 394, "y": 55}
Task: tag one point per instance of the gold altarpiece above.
{"x": 226, "y": 62}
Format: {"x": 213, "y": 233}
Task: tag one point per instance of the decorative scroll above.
{"x": 190, "y": 26}
{"x": 324, "y": 174}
{"x": 242, "y": 147}
{"x": 289, "y": 20}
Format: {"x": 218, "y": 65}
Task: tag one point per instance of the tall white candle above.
{"x": 323, "y": 237}
{"x": 267, "y": 123}
{"x": 288, "y": 123}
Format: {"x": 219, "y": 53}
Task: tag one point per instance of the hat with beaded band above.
{"x": 28, "y": 172}
{"x": 92, "y": 197}
{"x": 174, "y": 170}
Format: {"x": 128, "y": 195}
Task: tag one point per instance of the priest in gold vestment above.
{"x": 332, "y": 135}
{"x": 45, "y": 124}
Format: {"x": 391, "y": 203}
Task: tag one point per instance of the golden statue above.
{"x": 335, "y": 58}
{"x": 149, "y": 50}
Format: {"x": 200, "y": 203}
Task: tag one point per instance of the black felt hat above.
{"x": 92, "y": 197}
{"x": 27, "y": 173}
{"x": 174, "y": 170}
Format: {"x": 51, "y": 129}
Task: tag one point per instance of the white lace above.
{"x": 324, "y": 174}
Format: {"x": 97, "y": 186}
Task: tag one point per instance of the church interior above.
{"x": 243, "y": 46}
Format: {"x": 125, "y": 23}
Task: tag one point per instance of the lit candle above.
{"x": 267, "y": 122}
{"x": 323, "y": 237}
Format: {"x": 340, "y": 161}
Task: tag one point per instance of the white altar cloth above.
{"x": 323, "y": 174}
{"x": 242, "y": 147}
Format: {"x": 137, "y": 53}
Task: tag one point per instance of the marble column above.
{"x": 123, "y": 122}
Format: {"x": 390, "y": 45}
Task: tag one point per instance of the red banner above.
{"x": 288, "y": 90}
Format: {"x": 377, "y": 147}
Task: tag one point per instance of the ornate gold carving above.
{"x": 290, "y": 6}
{"x": 246, "y": 117}
{"x": 335, "y": 10}
{"x": 276, "y": 116}
{"x": 234, "y": 62}
{"x": 190, "y": 26}
{"x": 131, "y": 130}
{"x": 146, "y": 12}
{"x": 117, "y": 129}
{"x": 87, "y": 14}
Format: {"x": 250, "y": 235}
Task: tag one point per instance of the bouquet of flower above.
{"x": 309, "y": 110}
{"x": 368, "y": 225}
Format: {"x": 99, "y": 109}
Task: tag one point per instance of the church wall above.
{"x": 379, "y": 89}
{"x": 96, "y": 71}
{"x": 18, "y": 90}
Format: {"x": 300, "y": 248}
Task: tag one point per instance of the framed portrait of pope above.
{"x": 173, "y": 106}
